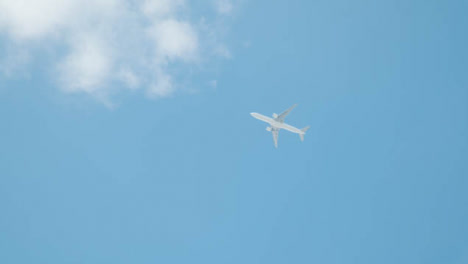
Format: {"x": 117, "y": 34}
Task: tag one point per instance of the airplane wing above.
{"x": 281, "y": 116}
{"x": 275, "y": 136}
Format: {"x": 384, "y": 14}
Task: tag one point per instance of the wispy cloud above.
{"x": 107, "y": 44}
{"x": 224, "y": 6}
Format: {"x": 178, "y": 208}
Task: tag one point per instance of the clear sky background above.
{"x": 97, "y": 170}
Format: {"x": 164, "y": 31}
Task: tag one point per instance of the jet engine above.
{"x": 268, "y": 129}
{"x": 275, "y": 115}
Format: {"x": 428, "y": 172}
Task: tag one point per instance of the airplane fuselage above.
{"x": 276, "y": 124}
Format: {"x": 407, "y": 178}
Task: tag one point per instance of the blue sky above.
{"x": 144, "y": 151}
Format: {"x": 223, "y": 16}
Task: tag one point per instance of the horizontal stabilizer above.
{"x": 303, "y": 132}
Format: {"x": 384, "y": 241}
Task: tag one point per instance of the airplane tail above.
{"x": 303, "y": 130}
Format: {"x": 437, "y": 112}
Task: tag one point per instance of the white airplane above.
{"x": 277, "y": 123}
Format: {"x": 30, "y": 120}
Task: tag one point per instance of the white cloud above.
{"x": 87, "y": 67}
{"x": 175, "y": 40}
{"x": 97, "y": 46}
{"x": 25, "y": 19}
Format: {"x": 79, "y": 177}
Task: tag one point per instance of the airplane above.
{"x": 277, "y": 123}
